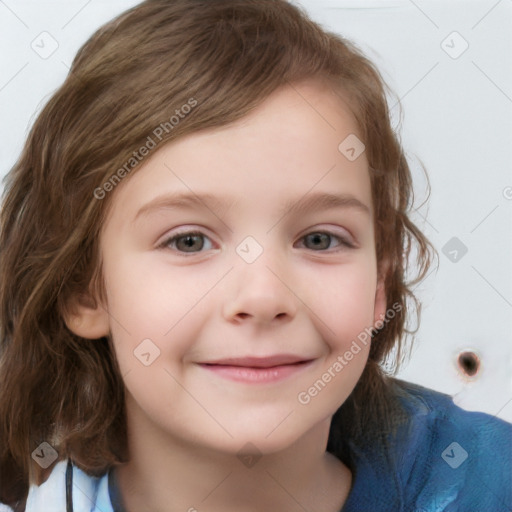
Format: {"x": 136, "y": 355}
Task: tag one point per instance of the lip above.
{"x": 257, "y": 369}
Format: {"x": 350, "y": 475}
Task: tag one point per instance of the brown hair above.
{"x": 130, "y": 77}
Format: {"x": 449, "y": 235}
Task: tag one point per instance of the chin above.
{"x": 266, "y": 440}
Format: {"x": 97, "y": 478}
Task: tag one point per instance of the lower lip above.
{"x": 256, "y": 375}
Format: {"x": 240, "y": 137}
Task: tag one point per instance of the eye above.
{"x": 190, "y": 242}
{"x": 187, "y": 242}
{"x": 321, "y": 240}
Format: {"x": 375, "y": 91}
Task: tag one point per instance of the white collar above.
{"x": 90, "y": 494}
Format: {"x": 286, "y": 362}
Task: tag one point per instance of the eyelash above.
{"x": 343, "y": 242}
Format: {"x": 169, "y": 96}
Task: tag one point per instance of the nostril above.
{"x": 469, "y": 363}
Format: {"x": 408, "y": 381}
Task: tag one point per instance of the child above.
{"x": 140, "y": 374}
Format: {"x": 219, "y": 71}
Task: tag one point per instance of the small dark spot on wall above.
{"x": 469, "y": 363}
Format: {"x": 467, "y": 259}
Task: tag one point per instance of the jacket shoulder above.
{"x": 451, "y": 458}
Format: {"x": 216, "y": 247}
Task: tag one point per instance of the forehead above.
{"x": 285, "y": 148}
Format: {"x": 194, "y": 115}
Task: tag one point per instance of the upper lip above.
{"x": 259, "y": 362}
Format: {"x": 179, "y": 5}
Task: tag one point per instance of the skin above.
{"x": 303, "y": 295}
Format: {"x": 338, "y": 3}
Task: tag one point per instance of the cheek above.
{"x": 144, "y": 297}
{"x": 148, "y": 301}
{"x": 344, "y": 300}
{"x": 345, "y": 317}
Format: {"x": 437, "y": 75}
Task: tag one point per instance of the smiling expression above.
{"x": 239, "y": 263}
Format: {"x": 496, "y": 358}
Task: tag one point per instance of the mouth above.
{"x": 257, "y": 369}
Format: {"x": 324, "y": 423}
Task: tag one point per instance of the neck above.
{"x": 167, "y": 474}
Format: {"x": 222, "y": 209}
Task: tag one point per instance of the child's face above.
{"x": 214, "y": 297}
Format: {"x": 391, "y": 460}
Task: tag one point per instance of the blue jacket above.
{"x": 446, "y": 459}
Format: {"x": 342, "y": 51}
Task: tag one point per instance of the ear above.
{"x": 380, "y": 296}
{"x": 86, "y": 318}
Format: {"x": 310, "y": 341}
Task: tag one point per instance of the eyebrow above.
{"x": 185, "y": 200}
{"x": 324, "y": 201}
{"x": 306, "y": 203}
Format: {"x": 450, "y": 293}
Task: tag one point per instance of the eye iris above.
{"x": 189, "y": 242}
{"x": 319, "y": 238}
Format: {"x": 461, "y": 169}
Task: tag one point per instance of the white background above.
{"x": 456, "y": 120}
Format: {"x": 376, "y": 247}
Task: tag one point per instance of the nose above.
{"x": 260, "y": 292}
